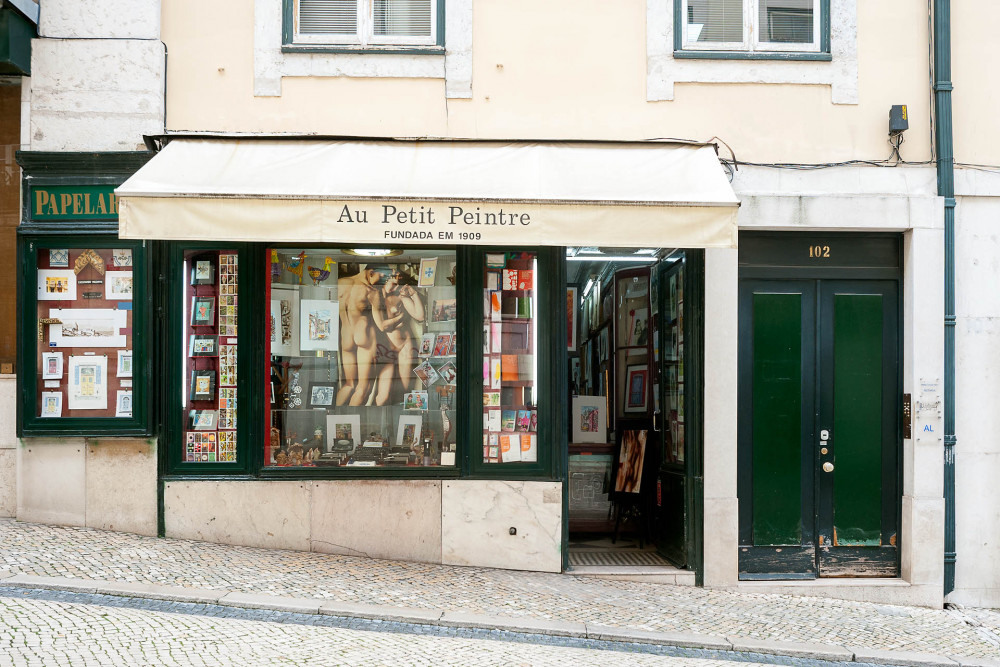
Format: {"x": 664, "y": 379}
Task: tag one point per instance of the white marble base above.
{"x": 121, "y": 485}
{"x": 51, "y": 481}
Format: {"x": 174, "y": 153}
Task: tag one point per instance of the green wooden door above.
{"x": 818, "y": 436}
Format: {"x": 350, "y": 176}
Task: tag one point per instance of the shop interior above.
{"x": 626, "y": 398}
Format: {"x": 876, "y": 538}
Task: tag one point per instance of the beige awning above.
{"x": 378, "y": 192}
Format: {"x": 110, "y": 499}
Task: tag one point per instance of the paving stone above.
{"x": 52, "y": 583}
{"x": 882, "y": 657}
{"x": 681, "y": 639}
{"x": 796, "y": 649}
{"x": 544, "y": 626}
{"x": 977, "y": 662}
{"x": 273, "y": 602}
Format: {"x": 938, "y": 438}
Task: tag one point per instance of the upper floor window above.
{"x": 752, "y": 25}
{"x": 366, "y": 23}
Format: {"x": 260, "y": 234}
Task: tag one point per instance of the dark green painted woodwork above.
{"x": 16, "y": 33}
{"x": 857, "y": 419}
{"x": 777, "y": 427}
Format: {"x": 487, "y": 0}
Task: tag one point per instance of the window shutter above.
{"x": 328, "y": 17}
{"x": 715, "y": 20}
{"x": 403, "y": 18}
{"x": 789, "y": 21}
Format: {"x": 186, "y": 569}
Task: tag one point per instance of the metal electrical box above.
{"x": 897, "y": 119}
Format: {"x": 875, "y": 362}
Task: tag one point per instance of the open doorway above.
{"x": 634, "y": 475}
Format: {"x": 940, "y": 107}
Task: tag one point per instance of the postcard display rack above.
{"x": 362, "y": 358}
{"x": 510, "y": 409}
{"x": 209, "y": 366}
{"x": 85, "y": 321}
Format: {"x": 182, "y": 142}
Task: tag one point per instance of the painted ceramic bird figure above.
{"x": 319, "y": 275}
{"x": 295, "y": 265}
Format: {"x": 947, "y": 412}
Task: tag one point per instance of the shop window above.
{"x": 510, "y": 359}
{"x": 366, "y": 23}
{"x": 361, "y": 355}
{"x": 752, "y": 25}
{"x": 210, "y": 338}
{"x": 84, "y": 343}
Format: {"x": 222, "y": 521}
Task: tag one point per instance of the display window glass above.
{"x": 208, "y": 364}
{"x": 361, "y": 357}
{"x": 85, "y": 366}
{"x": 673, "y": 366}
{"x": 510, "y": 360}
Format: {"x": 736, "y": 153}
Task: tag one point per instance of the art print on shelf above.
{"x": 318, "y": 325}
{"x": 202, "y": 311}
{"x": 590, "y": 419}
{"x": 427, "y": 373}
{"x": 118, "y": 286}
{"x": 343, "y": 433}
{"x": 428, "y": 270}
{"x": 52, "y": 365}
{"x": 56, "y": 285}
{"x": 123, "y": 404}
{"x": 58, "y": 257}
{"x": 631, "y": 454}
{"x": 203, "y": 346}
{"x": 638, "y": 334}
{"x": 124, "y": 369}
{"x": 408, "y": 431}
{"x": 427, "y": 344}
{"x": 203, "y": 420}
{"x": 636, "y": 379}
{"x": 285, "y": 322}
{"x": 202, "y": 272}
{"x": 442, "y": 345}
{"x": 449, "y": 373}
{"x": 51, "y": 404}
{"x": 202, "y": 385}
{"x": 87, "y": 327}
{"x": 321, "y": 394}
{"x": 88, "y": 383}
{"x": 121, "y": 257}
{"x": 415, "y": 400}
{"x": 444, "y": 310}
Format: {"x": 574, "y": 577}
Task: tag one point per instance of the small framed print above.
{"x": 590, "y": 418}
{"x": 202, "y": 272}
{"x": 321, "y": 394}
{"x": 415, "y": 400}
{"x": 118, "y": 285}
{"x": 496, "y": 260}
{"x": 52, "y": 366}
{"x": 203, "y": 346}
{"x": 636, "y": 379}
{"x": 59, "y": 258}
{"x": 428, "y": 270}
{"x": 408, "y": 431}
{"x": 51, "y": 404}
{"x": 202, "y": 385}
{"x": 202, "y": 311}
{"x": 448, "y": 372}
{"x": 56, "y": 285}
{"x": 203, "y": 420}
{"x": 124, "y": 363}
{"x": 121, "y": 256}
{"x": 123, "y": 404}
{"x": 427, "y": 373}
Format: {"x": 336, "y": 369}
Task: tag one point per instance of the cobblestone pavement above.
{"x": 90, "y": 554}
{"x": 45, "y": 627}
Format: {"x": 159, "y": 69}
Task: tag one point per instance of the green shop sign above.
{"x": 74, "y": 202}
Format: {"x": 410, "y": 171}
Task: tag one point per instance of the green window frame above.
{"x": 290, "y": 45}
{"x": 29, "y": 423}
{"x": 745, "y": 52}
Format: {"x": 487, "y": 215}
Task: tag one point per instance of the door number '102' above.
{"x": 819, "y": 251}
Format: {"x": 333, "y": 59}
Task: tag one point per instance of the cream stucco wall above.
{"x": 561, "y": 69}
{"x": 976, "y": 95}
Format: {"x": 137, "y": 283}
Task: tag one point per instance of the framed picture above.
{"x": 201, "y": 345}
{"x": 638, "y": 333}
{"x": 123, "y": 404}
{"x": 427, "y": 373}
{"x": 88, "y": 382}
{"x": 284, "y": 322}
{"x": 118, "y": 285}
{"x": 124, "y": 364}
{"x": 321, "y": 394}
{"x": 51, "y": 404}
{"x": 442, "y": 345}
{"x": 427, "y": 344}
{"x": 318, "y": 328}
{"x": 87, "y": 328}
{"x": 496, "y": 260}
{"x": 59, "y": 257}
{"x": 202, "y": 385}
{"x": 56, "y": 285}
{"x": 202, "y": 272}
{"x": 408, "y": 431}
{"x": 444, "y": 310}
{"x": 448, "y": 373}
{"x": 52, "y": 366}
{"x": 631, "y": 454}
{"x": 343, "y": 432}
{"x": 415, "y": 400}
{"x": 202, "y": 311}
{"x": 636, "y": 380}
{"x": 121, "y": 257}
{"x": 203, "y": 420}
{"x": 428, "y": 270}
{"x": 571, "y": 318}
{"x": 590, "y": 419}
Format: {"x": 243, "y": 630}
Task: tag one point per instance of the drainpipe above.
{"x": 946, "y": 188}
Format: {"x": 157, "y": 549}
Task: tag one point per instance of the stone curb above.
{"x": 459, "y": 619}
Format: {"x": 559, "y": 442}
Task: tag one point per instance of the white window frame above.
{"x": 750, "y": 43}
{"x": 365, "y": 35}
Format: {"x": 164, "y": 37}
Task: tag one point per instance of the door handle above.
{"x": 827, "y": 467}
{"x": 656, "y": 413}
